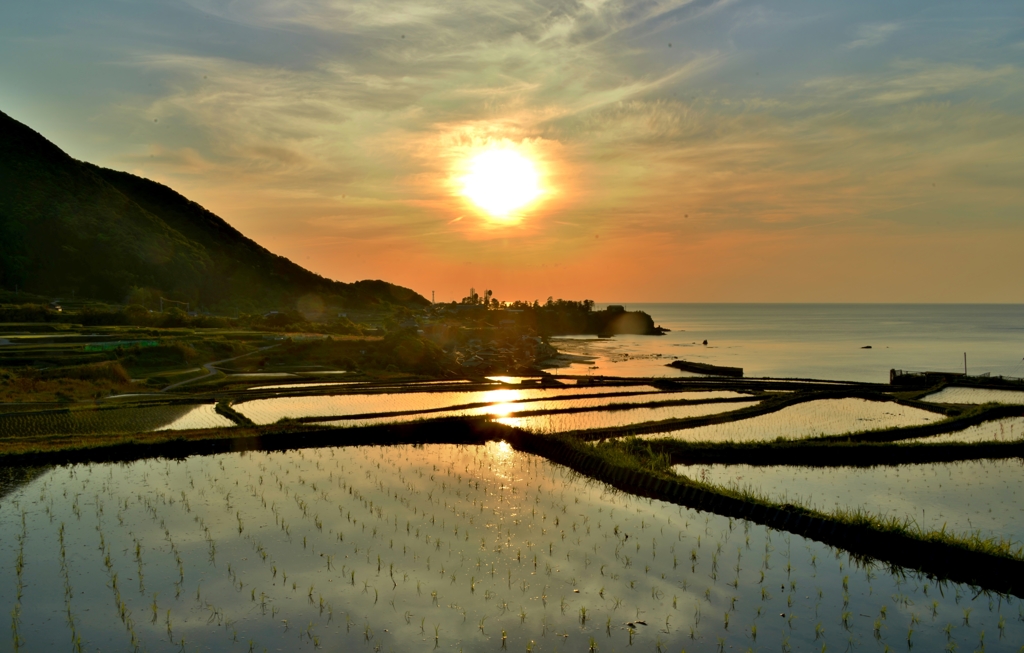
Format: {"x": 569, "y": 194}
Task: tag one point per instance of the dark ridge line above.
{"x": 374, "y": 388}
{"x": 959, "y": 420}
{"x": 85, "y": 407}
{"x": 936, "y": 560}
{"x": 252, "y": 394}
{"x": 265, "y": 438}
{"x": 224, "y": 409}
{"x": 388, "y": 388}
{"x": 768, "y": 383}
{"x": 764, "y": 407}
{"x": 666, "y": 384}
{"x": 842, "y": 454}
{"x": 533, "y": 413}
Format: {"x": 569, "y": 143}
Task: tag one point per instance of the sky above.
{"x": 702, "y": 151}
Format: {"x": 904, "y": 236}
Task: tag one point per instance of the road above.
{"x": 211, "y": 368}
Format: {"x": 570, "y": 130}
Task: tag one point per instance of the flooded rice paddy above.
{"x": 964, "y": 496}
{"x": 323, "y": 384}
{"x": 809, "y": 419}
{"x": 564, "y": 422}
{"x": 954, "y": 395}
{"x": 454, "y": 548}
{"x": 268, "y": 411}
{"x": 303, "y": 386}
{"x": 135, "y": 419}
{"x": 998, "y": 430}
{"x": 199, "y": 417}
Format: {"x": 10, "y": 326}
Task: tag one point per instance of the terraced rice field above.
{"x": 560, "y": 422}
{"x": 436, "y": 547}
{"x": 564, "y": 422}
{"x": 954, "y": 395}
{"x": 269, "y": 411}
{"x": 347, "y": 384}
{"x": 199, "y": 417}
{"x": 807, "y": 420}
{"x": 964, "y": 496}
{"x": 999, "y": 430}
{"x": 303, "y": 386}
{"x": 110, "y": 420}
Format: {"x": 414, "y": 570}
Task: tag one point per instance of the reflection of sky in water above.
{"x": 998, "y": 430}
{"x": 382, "y": 545}
{"x": 200, "y": 417}
{"x": 502, "y": 459}
{"x": 962, "y": 496}
{"x": 257, "y": 375}
{"x": 268, "y": 411}
{"x": 822, "y": 341}
{"x": 953, "y": 395}
{"x": 809, "y": 419}
{"x": 298, "y": 386}
{"x": 513, "y": 379}
{"x": 562, "y": 422}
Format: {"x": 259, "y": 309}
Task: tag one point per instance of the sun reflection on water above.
{"x": 501, "y": 396}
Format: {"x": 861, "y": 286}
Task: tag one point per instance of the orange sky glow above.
{"x": 680, "y": 151}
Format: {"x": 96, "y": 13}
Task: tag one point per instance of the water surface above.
{"x": 808, "y": 419}
{"x": 447, "y": 547}
{"x": 563, "y": 422}
{"x": 963, "y": 496}
{"x": 997, "y": 430}
{"x": 268, "y": 411}
{"x": 954, "y": 395}
{"x": 821, "y": 341}
{"x": 83, "y": 421}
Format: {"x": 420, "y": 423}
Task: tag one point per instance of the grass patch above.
{"x": 641, "y": 457}
{"x": 64, "y": 384}
{"x": 905, "y": 527}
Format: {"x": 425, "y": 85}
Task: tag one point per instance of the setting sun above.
{"x": 501, "y": 181}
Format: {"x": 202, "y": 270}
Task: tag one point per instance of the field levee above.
{"x": 940, "y": 558}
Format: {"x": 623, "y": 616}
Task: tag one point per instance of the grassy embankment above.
{"x": 641, "y": 466}
{"x": 628, "y": 464}
{"x": 636, "y": 466}
{"x": 769, "y": 403}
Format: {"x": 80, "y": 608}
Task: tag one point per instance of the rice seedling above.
{"x": 381, "y": 514}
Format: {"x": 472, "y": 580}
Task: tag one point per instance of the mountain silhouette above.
{"x": 70, "y": 227}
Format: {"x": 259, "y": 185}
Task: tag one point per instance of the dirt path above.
{"x": 211, "y": 369}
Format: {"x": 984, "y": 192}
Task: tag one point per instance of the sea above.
{"x": 843, "y": 342}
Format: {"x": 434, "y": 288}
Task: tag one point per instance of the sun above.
{"x": 501, "y": 182}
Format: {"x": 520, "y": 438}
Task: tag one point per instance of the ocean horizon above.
{"x": 838, "y": 341}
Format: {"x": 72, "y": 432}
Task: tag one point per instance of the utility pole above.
{"x": 432, "y": 297}
{"x": 965, "y": 363}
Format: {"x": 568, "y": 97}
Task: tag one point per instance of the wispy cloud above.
{"x": 869, "y": 36}
{"x": 322, "y": 126}
{"x": 913, "y": 80}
